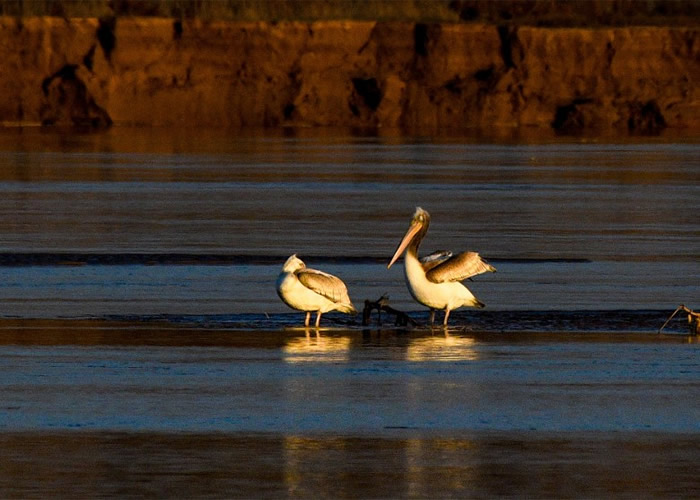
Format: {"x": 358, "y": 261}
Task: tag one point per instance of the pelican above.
{"x": 434, "y": 280}
{"x": 310, "y": 290}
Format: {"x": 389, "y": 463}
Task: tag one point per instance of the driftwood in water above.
{"x": 693, "y": 319}
{"x": 400, "y": 317}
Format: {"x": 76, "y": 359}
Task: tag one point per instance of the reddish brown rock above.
{"x": 161, "y": 72}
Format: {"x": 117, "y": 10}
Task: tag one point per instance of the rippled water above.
{"x": 140, "y": 331}
{"x": 569, "y": 226}
{"x": 93, "y": 408}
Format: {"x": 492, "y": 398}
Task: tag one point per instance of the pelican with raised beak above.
{"x": 435, "y": 280}
{"x": 309, "y": 290}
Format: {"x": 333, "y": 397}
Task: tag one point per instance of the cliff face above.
{"x": 351, "y": 74}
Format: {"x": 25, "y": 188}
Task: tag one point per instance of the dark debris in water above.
{"x": 693, "y": 319}
{"x": 643, "y": 321}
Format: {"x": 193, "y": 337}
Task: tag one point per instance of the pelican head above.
{"x": 416, "y": 231}
{"x": 293, "y": 264}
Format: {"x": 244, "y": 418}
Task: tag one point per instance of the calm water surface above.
{"x": 144, "y": 352}
{"x": 569, "y": 226}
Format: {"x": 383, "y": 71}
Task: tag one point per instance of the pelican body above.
{"x": 309, "y": 290}
{"x": 435, "y": 280}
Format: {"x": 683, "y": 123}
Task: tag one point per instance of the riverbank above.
{"x": 365, "y": 75}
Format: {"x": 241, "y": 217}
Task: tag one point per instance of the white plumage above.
{"x": 310, "y": 290}
{"x": 434, "y": 280}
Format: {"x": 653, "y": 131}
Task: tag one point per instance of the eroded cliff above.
{"x": 90, "y": 72}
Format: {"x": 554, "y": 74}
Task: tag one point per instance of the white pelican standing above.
{"x": 310, "y": 290}
{"x": 434, "y": 280}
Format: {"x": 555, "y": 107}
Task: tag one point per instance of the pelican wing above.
{"x": 324, "y": 284}
{"x": 458, "y": 268}
{"x": 434, "y": 259}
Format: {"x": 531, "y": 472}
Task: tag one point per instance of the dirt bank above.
{"x": 161, "y": 72}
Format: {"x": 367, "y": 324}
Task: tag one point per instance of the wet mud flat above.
{"x": 106, "y": 408}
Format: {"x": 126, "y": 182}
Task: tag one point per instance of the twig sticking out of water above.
{"x": 693, "y": 319}
{"x": 382, "y": 304}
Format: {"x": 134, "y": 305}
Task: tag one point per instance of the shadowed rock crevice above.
{"x": 610, "y": 53}
{"x": 68, "y": 102}
{"x": 89, "y": 58}
{"x": 369, "y": 91}
{"x": 177, "y": 29}
{"x": 584, "y": 115}
{"x": 645, "y": 118}
{"x": 294, "y": 86}
{"x": 67, "y": 72}
{"x": 455, "y": 86}
{"x": 105, "y": 35}
{"x": 511, "y": 49}
{"x": 293, "y": 89}
{"x": 574, "y": 117}
{"x": 420, "y": 39}
{"x": 288, "y": 110}
{"x": 487, "y": 79}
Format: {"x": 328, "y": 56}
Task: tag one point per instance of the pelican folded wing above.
{"x": 459, "y": 268}
{"x": 324, "y": 284}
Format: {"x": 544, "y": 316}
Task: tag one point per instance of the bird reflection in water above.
{"x": 314, "y": 347}
{"x": 327, "y": 466}
{"x": 442, "y": 348}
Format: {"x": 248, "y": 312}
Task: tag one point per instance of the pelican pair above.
{"x": 434, "y": 280}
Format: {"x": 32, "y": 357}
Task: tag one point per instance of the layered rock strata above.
{"x": 164, "y": 72}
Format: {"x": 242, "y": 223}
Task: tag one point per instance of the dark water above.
{"x": 144, "y": 352}
{"x": 272, "y": 466}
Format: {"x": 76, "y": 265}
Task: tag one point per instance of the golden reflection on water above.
{"x": 442, "y": 348}
{"x": 409, "y": 469}
{"x": 301, "y": 455}
{"x": 315, "y": 348}
{"x": 456, "y": 475}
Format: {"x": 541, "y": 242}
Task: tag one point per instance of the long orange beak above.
{"x": 410, "y": 234}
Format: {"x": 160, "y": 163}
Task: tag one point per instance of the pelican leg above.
{"x": 318, "y": 319}
{"x": 447, "y": 315}
{"x": 308, "y": 318}
{"x": 432, "y": 317}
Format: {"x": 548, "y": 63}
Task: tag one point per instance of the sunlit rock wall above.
{"x": 161, "y": 72}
